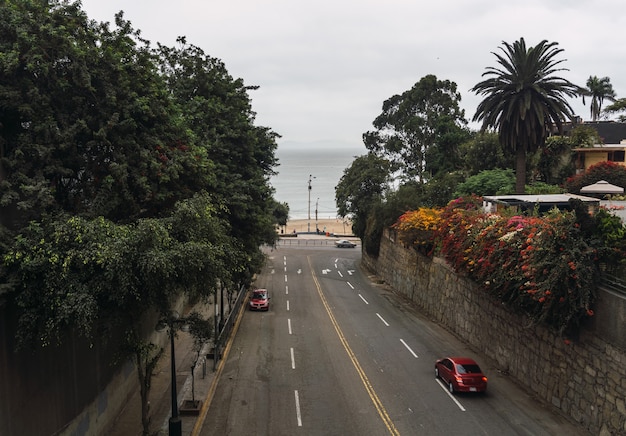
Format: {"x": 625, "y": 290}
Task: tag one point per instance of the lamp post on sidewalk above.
{"x": 309, "y": 223}
{"x": 173, "y": 322}
{"x": 316, "y": 229}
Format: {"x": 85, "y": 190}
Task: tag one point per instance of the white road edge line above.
{"x": 298, "y": 409}
{"x": 445, "y": 389}
{"x": 364, "y": 300}
{"x": 382, "y": 319}
{"x": 408, "y": 348}
{"x": 293, "y": 359}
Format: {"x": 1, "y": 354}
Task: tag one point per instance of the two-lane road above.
{"x": 339, "y": 355}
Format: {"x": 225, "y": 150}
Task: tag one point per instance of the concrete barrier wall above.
{"x": 585, "y": 379}
{"x": 44, "y": 390}
{"x": 67, "y": 390}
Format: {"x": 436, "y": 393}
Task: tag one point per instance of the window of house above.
{"x": 616, "y": 156}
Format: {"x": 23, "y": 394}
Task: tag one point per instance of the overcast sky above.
{"x": 325, "y": 68}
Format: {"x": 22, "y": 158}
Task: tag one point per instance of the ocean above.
{"x": 325, "y": 167}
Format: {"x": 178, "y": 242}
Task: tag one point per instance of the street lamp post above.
{"x": 173, "y": 322}
{"x": 316, "y": 203}
{"x": 175, "y": 424}
{"x": 309, "y": 223}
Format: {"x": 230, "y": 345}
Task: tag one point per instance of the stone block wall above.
{"x": 585, "y": 379}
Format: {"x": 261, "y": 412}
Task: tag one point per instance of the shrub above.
{"x": 540, "y": 266}
{"x": 545, "y": 267}
{"x": 417, "y": 228}
{"x": 611, "y": 172}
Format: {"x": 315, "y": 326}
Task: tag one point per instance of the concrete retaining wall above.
{"x": 585, "y": 379}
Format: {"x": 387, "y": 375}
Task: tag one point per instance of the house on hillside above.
{"x": 588, "y": 156}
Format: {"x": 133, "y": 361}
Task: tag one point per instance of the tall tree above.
{"x": 618, "y": 106}
{"x": 418, "y": 127}
{"x": 484, "y": 152}
{"x": 362, "y": 185}
{"x": 218, "y": 111}
{"x": 598, "y": 89}
{"x": 524, "y": 100}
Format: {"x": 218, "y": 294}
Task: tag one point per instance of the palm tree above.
{"x": 598, "y": 89}
{"x": 618, "y": 106}
{"x": 523, "y": 100}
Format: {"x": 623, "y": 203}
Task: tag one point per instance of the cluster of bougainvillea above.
{"x": 417, "y": 228}
{"x": 542, "y": 266}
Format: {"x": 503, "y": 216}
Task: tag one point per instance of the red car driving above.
{"x": 462, "y": 374}
{"x": 260, "y": 300}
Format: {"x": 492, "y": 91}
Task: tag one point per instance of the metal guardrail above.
{"x": 228, "y": 325}
{"x": 286, "y": 242}
{"x": 614, "y": 283}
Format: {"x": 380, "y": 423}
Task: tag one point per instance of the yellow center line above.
{"x": 382, "y": 412}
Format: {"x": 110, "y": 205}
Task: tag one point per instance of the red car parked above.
{"x": 260, "y": 300}
{"x": 462, "y": 374}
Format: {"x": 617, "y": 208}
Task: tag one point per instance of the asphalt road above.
{"x": 337, "y": 354}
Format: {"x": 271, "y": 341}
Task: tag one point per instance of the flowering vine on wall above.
{"x": 545, "y": 267}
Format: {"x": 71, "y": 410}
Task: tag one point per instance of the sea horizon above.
{"x": 324, "y": 166}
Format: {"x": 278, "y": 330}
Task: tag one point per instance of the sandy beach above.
{"x": 336, "y": 226}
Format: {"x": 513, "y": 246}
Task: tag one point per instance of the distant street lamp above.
{"x": 316, "y": 203}
{"x": 309, "y": 223}
{"x": 173, "y": 322}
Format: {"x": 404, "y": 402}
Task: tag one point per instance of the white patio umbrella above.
{"x": 602, "y": 187}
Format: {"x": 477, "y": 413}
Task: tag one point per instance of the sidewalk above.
{"x": 199, "y": 387}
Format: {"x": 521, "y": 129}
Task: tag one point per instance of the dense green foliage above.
{"x": 361, "y": 187}
{"x": 488, "y": 182}
{"x": 484, "y": 152}
{"x": 555, "y": 160}
{"x": 129, "y": 174}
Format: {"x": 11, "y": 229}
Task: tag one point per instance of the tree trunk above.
{"x": 146, "y": 362}
{"x": 520, "y": 169}
{"x": 144, "y": 389}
